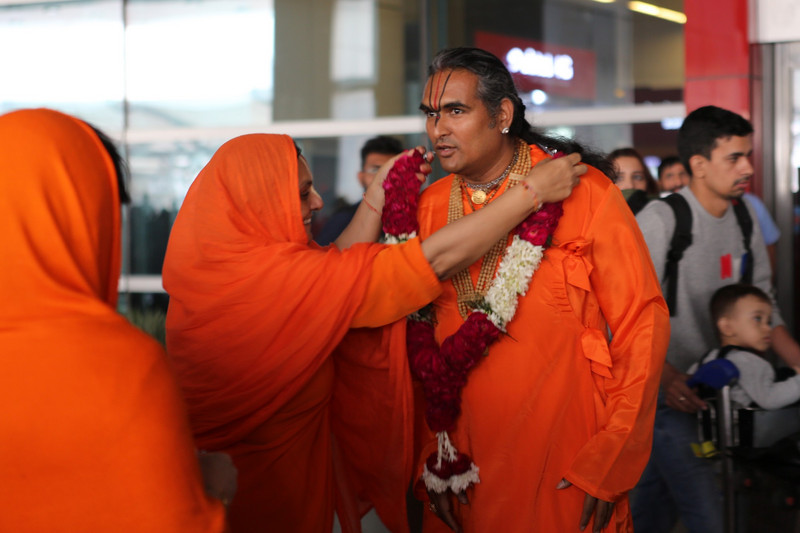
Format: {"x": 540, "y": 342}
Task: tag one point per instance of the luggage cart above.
{"x": 718, "y": 375}
{"x": 752, "y": 465}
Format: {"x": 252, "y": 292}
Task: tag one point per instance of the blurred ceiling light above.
{"x": 538, "y": 97}
{"x": 656, "y": 11}
{"x": 605, "y": 1}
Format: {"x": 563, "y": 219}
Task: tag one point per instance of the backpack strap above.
{"x": 746, "y": 225}
{"x": 681, "y": 240}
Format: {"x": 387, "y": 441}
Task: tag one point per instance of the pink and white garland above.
{"x": 443, "y": 371}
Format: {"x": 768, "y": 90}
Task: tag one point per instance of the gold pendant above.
{"x": 479, "y": 197}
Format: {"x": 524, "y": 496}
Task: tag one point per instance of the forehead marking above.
{"x": 437, "y": 106}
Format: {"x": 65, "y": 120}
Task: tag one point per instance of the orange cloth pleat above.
{"x": 555, "y": 398}
{"x": 94, "y": 432}
{"x": 374, "y": 429}
{"x": 255, "y": 314}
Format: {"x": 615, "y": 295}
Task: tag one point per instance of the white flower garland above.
{"x": 398, "y": 239}
{"x": 520, "y": 261}
{"x": 517, "y": 267}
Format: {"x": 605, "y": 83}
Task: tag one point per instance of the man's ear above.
{"x": 506, "y": 114}
{"x": 698, "y": 165}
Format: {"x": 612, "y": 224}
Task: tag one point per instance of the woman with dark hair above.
{"x": 633, "y": 178}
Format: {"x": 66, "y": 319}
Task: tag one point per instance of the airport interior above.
{"x": 171, "y": 80}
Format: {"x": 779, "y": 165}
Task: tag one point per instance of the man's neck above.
{"x": 712, "y": 202}
{"x": 496, "y": 167}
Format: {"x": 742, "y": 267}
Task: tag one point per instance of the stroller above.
{"x": 759, "y": 454}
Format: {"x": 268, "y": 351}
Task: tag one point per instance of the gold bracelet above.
{"x": 364, "y": 196}
{"x": 536, "y": 201}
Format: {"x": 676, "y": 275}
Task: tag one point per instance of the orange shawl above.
{"x": 254, "y": 310}
{"x": 94, "y": 431}
{"x": 255, "y": 314}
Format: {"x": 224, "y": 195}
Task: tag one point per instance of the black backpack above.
{"x": 682, "y": 239}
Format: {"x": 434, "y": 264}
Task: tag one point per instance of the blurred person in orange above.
{"x": 257, "y": 308}
{"x": 95, "y": 435}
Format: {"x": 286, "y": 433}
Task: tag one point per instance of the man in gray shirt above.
{"x": 715, "y": 146}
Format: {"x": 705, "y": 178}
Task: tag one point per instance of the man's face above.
{"x": 465, "y": 138}
{"x": 727, "y": 173}
{"x": 673, "y": 178}
{"x": 372, "y": 163}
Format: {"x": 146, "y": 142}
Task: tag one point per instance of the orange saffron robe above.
{"x": 554, "y": 398}
{"x": 255, "y": 315}
{"x": 93, "y": 432}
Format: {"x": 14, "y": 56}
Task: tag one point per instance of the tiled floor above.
{"x": 369, "y": 524}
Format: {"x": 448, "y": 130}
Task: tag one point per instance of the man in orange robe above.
{"x": 559, "y": 414}
{"x": 94, "y": 431}
{"x": 255, "y": 312}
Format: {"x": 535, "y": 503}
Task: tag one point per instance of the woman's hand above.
{"x": 374, "y": 192}
{"x": 552, "y": 180}
{"x": 601, "y": 509}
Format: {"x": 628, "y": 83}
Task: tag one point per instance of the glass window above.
{"x": 353, "y": 41}
{"x": 66, "y": 56}
{"x": 161, "y": 173}
{"x": 203, "y": 63}
{"x": 174, "y": 79}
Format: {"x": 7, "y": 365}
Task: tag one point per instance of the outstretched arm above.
{"x": 414, "y": 267}
{"x": 461, "y": 243}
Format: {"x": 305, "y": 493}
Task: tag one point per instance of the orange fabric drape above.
{"x": 255, "y": 313}
{"x": 555, "y": 398}
{"x": 94, "y": 432}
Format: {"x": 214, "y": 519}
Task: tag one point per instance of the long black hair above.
{"x": 120, "y": 166}
{"x": 495, "y": 84}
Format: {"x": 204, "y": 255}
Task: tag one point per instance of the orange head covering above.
{"x": 60, "y": 215}
{"x": 254, "y": 309}
{"x": 95, "y": 436}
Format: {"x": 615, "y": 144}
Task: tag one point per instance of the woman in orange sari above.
{"x": 94, "y": 431}
{"x": 256, "y": 310}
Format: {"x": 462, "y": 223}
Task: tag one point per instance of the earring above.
{"x": 504, "y": 131}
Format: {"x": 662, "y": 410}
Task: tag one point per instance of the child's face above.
{"x": 748, "y": 324}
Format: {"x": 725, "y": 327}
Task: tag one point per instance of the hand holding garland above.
{"x": 552, "y": 179}
{"x": 366, "y": 223}
{"x": 458, "y": 245}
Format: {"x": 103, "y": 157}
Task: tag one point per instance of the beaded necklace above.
{"x": 479, "y": 194}
{"x": 468, "y": 293}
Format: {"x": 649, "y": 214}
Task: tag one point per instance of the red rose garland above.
{"x": 444, "y": 371}
{"x": 401, "y": 192}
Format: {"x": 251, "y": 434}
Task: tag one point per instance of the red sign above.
{"x": 554, "y": 69}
